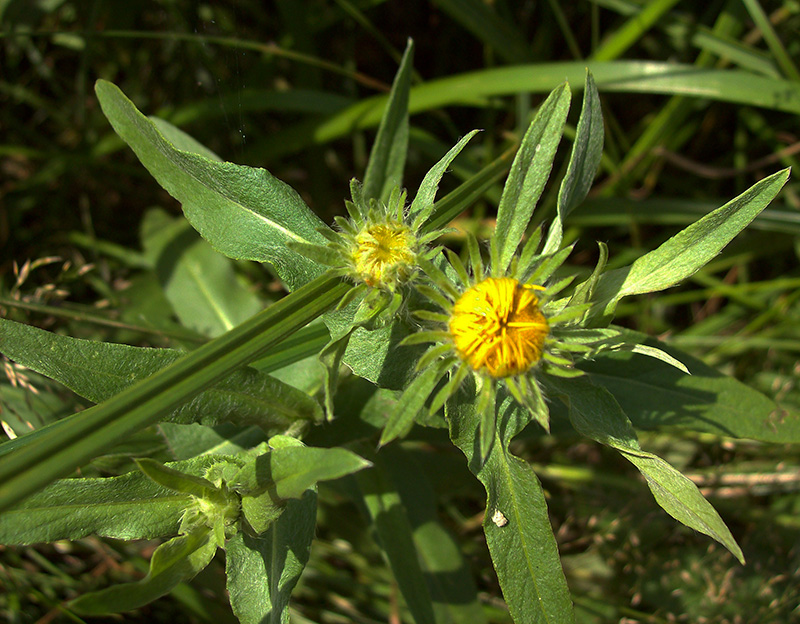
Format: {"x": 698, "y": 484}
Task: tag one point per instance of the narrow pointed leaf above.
{"x": 388, "y": 156}
{"x": 681, "y": 499}
{"x": 595, "y": 414}
{"x": 411, "y": 403}
{"x": 422, "y": 206}
{"x": 583, "y": 163}
{"x": 658, "y": 354}
{"x": 175, "y": 561}
{"x": 686, "y": 252}
{"x": 174, "y": 479}
{"x": 528, "y": 175}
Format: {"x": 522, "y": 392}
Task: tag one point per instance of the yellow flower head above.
{"x": 504, "y": 330}
{"x": 497, "y": 325}
{"x": 383, "y": 253}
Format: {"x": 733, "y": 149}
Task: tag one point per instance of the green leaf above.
{"x": 528, "y": 175}
{"x": 181, "y": 140}
{"x": 294, "y": 469}
{"x": 632, "y": 30}
{"x": 462, "y": 197}
{"x": 656, "y": 395}
{"x": 376, "y": 354}
{"x": 585, "y": 290}
{"x": 689, "y": 250}
{"x": 174, "y": 479}
{"x": 393, "y": 533}
{"x": 127, "y": 507}
{"x": 422, "y": 206}
{"x": 584, "y": 160}
{"x": 516, "y": 524}
{"x": 245, "y": 213}
{"x": 681, "y": 499}
{"x": 388, "y": 156}
{"x": 131, "y": 506}
{"x": 262, "y": 571}
{"x": 175, "y": 561}
{"x": 269, "y": 480}
{"x": 446, "y": 572}
{"x": 595, "y": 414}
{"x": 56, "y": 450}
{"x": 655, "y": 352}
{"x": 99, "y": 370}
{"x": 200, "y": 284}
{"x": 411, "y": 403}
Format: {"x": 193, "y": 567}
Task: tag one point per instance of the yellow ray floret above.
{"x": 497, "y": 325}
{"x": 383, "y": 253}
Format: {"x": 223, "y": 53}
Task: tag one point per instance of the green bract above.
{"x": 515, "y": 331}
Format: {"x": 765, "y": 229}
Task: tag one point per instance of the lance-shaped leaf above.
{"x": 176, "y": 480}
{"x": 595, "y": 414}
{"x": 175, "y": 561}
{"x": 412, "y": 402}
{"x": 99, "y": 370}
{"x": 388, "y": 156}
{"x": 127, "y": 507}
{"x": 583, "y": 163}
{"x": 244, "y": 212}
{"x": 527, "y": 177}
{"x": 516, "y": 524}
{"x": 262, "y": 571}
{"x": 689, "y": 250}
{"x": 422, "y": 206}
{"x": 657, "y": 395}
{"x": 131, "y": 506}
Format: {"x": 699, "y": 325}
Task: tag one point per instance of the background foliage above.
{"x": 287, "y": 86}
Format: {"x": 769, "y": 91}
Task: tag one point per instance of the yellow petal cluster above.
{"x": 383, "y": 253}
{"x": 497, "y": 326}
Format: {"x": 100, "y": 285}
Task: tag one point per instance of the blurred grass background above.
{"x": 263, "y": 84}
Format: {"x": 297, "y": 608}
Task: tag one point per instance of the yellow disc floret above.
{"x": 497, "y": 325}
{"x": 383, "y": 254}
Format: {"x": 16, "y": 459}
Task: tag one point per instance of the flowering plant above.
{"x": 511, "y": 335}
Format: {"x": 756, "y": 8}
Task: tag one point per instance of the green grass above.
{"x": 699, "y": 103}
